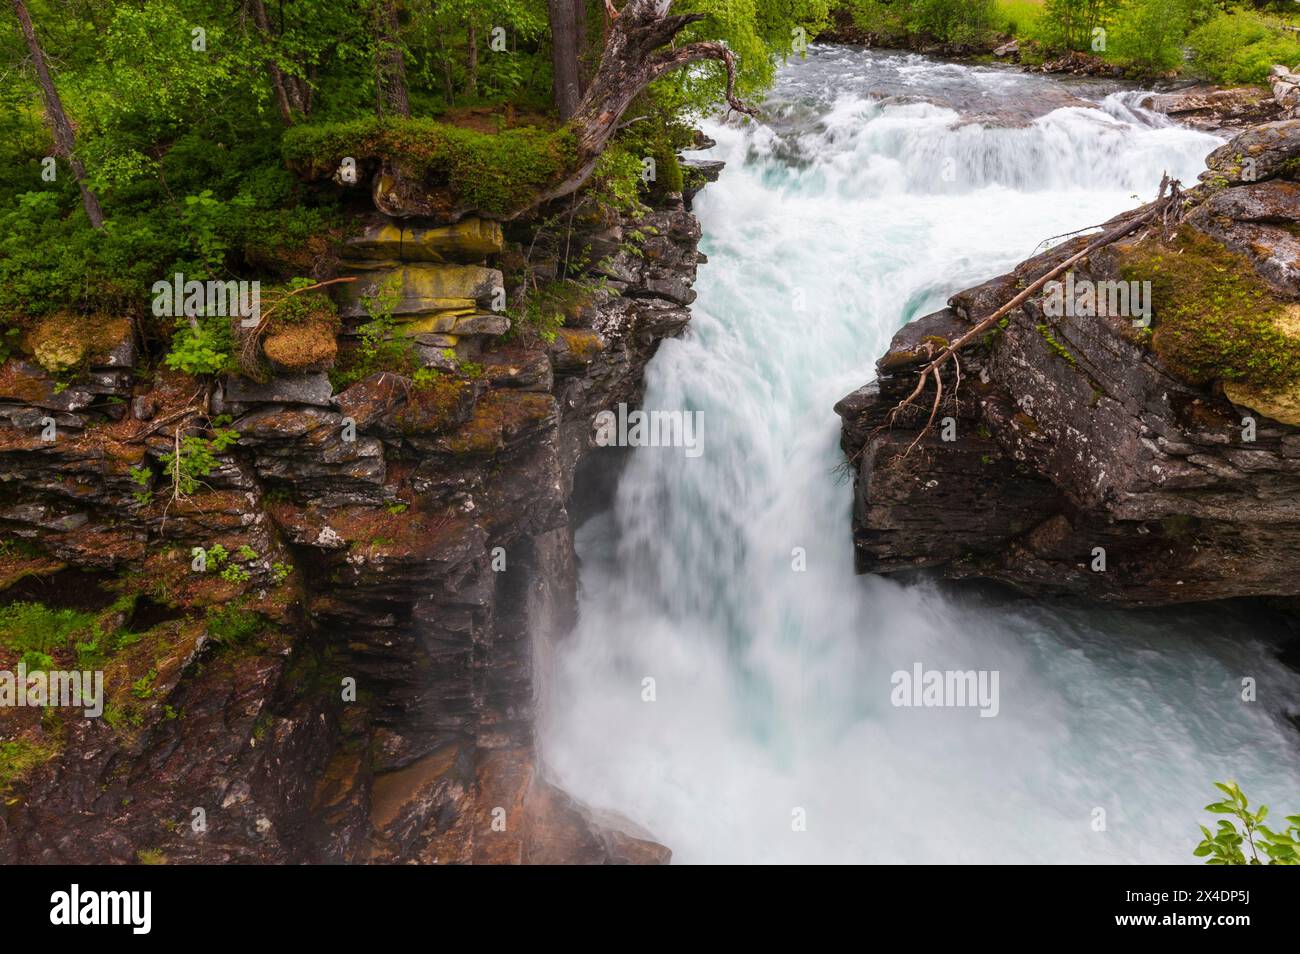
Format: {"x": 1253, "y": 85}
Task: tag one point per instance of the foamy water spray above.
{"x": 728, "y": 580}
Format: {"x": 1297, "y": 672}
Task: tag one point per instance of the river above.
{"x": 865, "y": 200}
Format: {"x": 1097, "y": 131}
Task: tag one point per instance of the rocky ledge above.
{"x": 1139, "y": 462}
{"x": 322, "y": 650}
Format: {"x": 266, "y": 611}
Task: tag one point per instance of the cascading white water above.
{"x": 773, "y": 685}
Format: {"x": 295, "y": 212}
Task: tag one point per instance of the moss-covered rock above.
{"x": 311, "y": 346}
{"x": 64, "y": 342}
{"x": 459, "y": 170}
{"x": 1215, "y": 318}
{"x": 470, "y": 240}
{"x": 421, "y": 289}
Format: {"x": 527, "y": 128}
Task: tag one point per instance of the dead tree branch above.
{"x": 1165, "y": 210}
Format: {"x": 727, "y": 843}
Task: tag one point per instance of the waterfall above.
{"x": 880, "y": 185}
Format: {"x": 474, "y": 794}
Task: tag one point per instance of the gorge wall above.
{"x": 408, "y": 540}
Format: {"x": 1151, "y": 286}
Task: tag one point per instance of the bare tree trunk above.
{"x": 637, "y": 53}
{"x": 65, "y": 141}
{"x": 567, "y": 82}
{"x": 580, "y": 41}
{"x": 471, "y": 81}
{"x": 390, "y": 67}
{"x": 273, "y": 71}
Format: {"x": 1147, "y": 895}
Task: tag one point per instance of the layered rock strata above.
{"x": 354, "y": 679}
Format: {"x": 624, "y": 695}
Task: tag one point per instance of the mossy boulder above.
{"x": 574, "y": 349}
{"x": 427, "y": 168}
{"x": 500, "y": 419}
{"x": 1261, "y": 152}
{"x": 64, "y": 342}
{"x": 445, "y": 404}
{"x": 1215, "y": 318}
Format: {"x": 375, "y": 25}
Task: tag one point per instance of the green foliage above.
{"x": 234, "y": 573}
{"x": 19, "y": 757}
{"x": 233, "y": 625}
{"x": 143, "y": 687}
{"x": 196, "y": 459}
{"x": 546, "y": 310}
{"x": 762, "y": 33}
{"x": 142, "y": 477}
{"x": 204, "y": 347}
{"x": 36, "y": 628}
{"x": 1148, "y": 34}
{"x": 496, "y": 174}
{"x": 1071, "y": 24}
{"x": 1017, "y": 17}
{"x": 950, "y": 21}
{"x": 1239, "y": 46}
{"x": 1224, "y": 846}
{"x": 379, "y": 347}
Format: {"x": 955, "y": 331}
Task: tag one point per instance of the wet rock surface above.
{"x": 1077, "y": 461}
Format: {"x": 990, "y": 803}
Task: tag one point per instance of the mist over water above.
{"x": 773, "y": 686}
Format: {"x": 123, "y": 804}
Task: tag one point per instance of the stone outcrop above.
{"x": 1285, "y": 84}
{"x": 352, "y": 679}
{"x": 1088, "y": 455}
{"x": 1214, "y": 109}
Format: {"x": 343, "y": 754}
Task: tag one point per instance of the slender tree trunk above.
{"x": 390, "y": 67}
{"x": 567, "y": 83}
{"x": 580, "y": 41}
{"x": 258, "y": 9}
{"x": 448, "y": 85}
{"x": 65, "y": 141}
{"x": 471, "y": 81}
{"x": 638, "y": 51}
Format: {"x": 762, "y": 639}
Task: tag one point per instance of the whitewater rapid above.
{"x": 833, "y": 225}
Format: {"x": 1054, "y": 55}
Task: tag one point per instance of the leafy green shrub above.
{"x": 1224, "y": 845}
{"x": 951, "y": 21}
{"x": 196, "y": 459}
{"x": 1240, "y": 47}
{"x": 205, "y": 347}
{"x": 1070, "y": 24}
{"x": 1148, "y": 34}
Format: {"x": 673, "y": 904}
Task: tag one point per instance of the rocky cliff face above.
{"x": 345, "y": 673}
{"x": 1090, "y": 455}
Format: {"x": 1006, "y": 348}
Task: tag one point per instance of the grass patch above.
{"x": 32, "y": 627}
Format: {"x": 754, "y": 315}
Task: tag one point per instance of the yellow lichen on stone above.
{"x": 440, "y": 323}
{"x": 62, "y": 342}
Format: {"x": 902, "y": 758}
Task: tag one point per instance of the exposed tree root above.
{"x": 1167, "y": 210}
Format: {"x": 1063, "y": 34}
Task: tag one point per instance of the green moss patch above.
{"x": 493, "y": 173}
{"x": 19, "y": 757}
{"x": 1215, "y": 318}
